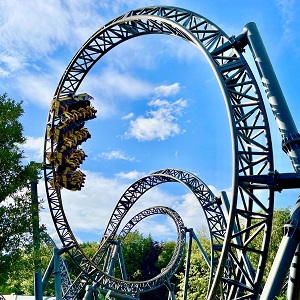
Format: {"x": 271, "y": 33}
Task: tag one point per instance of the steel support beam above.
{"x": 92, "y": 291}
{"x": 113, "y": 259}
{"x": 118, "y": 295}
{"x": 171, "y": 288}
{"x": 205, "y": 256}
{"x": 48, "y": 273}
{"x": 187, "y": 265}
{"x": 291, "y": 146}
{"x": 38, "y": 290}
{"x": 279, "y": 269}
{"x": 293, "y": 292}
{"x": 57, "y": 274}
{"x": 280, "y": 109}
{"x": 121, "y": 262}
{"x": 284, "y": 257}
{"x": 89, "y": 291}
{"x": 280, "y": 181}
{"x": 115, "y": 251}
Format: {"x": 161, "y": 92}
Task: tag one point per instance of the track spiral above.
{"x": 180, "y": 242}
{"x": 248, "y": 214}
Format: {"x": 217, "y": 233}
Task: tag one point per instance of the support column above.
{"x": 187, "y": 265}
{"x": 171, "y": 288}
{"x": 293, "y": 292}
{"x": 57, "y": 274}
{"x": 38, "y": 290}
{"x": 290, "y": 145}
{"x": 284, "y": 257}
{"x": 280, "y": 109}
{"x": 89, "y": 290}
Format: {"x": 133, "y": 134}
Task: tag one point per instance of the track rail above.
{"x": 212, "y": 210}
{"x": 249, "y": 213}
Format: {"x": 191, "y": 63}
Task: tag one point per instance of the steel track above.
{"x": 66, "y": 281}
{"x": 179, "y": 250}
{"x": 249, "y": 215}
{"x": 212, "y": 210}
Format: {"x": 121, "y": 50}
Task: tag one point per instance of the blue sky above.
{"x": 159, "y": 104}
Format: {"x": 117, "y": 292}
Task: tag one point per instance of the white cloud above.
{"x": 167, "y": 90}
{"x": 132, "y": 175}
{"x": 12, "y": 63}
{"x": 33, "y": 148}
{"x": 3, "y": 73}
{"x": 33, "y": 30}
{"x": 190, "y": 211}
{"x": 287, "y": 10}
{"x": 161, "y": 124}
{"x": 121, "y": 6}
{"x": 115, "y": 88}
{"x": 37, "y": 27}
{"x": 117, "y": 84}
{"x": 90, "y": 209}
{"x": 39, "y": 88}
{"x": 217, "y": 192}
{"x": 161, "y": 228}
{"x": 129, "y": 116}
{"x": 180, "y": 50}
{"x": 38, "y": 85}
{"x": 116, "y": 154}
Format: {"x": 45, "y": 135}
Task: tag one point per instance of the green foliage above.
{"x": 89, "y": 248}
{"x": 13, "y": 175}
{"x": 15, "y": 196}
{"x": 15, "y": 229}
{"x": 135, "y": 250}
{"x": 167, "y": 250}
{"x": 280, "y": 217}
{"x": 144, "y": 258}
{"x": 21, "y": 280}
{"x": 165, "y": 256}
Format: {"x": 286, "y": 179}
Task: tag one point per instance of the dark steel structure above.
{"x": 58, "y": 267}
{"x": 240, "y": 227}
{"x": 155, "y": 210}
{"x": 213, "y": 213}
{"x": 178, "y": 251}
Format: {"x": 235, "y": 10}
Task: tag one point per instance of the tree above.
{"x": 167, "y": 251}
{"x": 166, "y": 254}
{"x": 20, "y": 278}
{"x": 15, "y": 195}
{"x": 140, "y": 258}
{"x": 14, "y": 175}
{"x": 135, "y": 248}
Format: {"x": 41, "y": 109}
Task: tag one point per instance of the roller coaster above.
{"x": 239, "y": 226}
